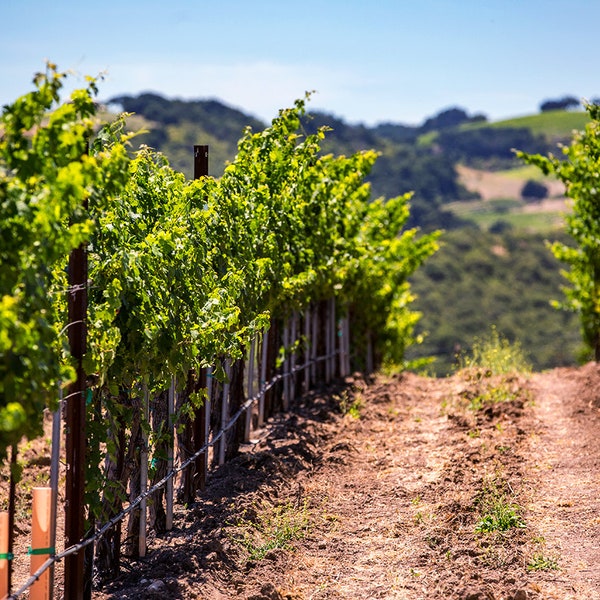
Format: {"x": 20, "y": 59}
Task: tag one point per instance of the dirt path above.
{"x": 566, "y": 476}
{"x": 378, "y": 491}
{"x": 396, "y": 488}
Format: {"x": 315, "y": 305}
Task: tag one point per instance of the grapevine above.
{"x": 181, "y": 273}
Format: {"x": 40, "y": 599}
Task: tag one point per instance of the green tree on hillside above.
{"x": 566, "y": 103}
{"x": 534, "y": 191}
{"x": 580, "y": 173}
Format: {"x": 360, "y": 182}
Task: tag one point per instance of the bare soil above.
{"x": 378, "y": 488}
{"x": 389, "y": 496}
{"x": 491, "y": 185}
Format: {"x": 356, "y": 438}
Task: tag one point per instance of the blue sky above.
{"x": 368, "y": 61}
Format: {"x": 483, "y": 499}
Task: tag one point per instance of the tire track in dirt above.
{"x": 375, "y": 548}
{"x": 565, "y": 471}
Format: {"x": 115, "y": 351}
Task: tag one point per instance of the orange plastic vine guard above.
{"x": 4, "y": 555}
{"x": 40, "y": 550}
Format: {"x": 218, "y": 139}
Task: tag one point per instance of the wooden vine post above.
{"x": 201, "y": 425}
{"x": 75, "y": 577}
{"x": 4, "y": 554}
{"x": 41, "y": 541}
{"x": 170, "y": 462}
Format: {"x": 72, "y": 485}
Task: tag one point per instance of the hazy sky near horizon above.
{"x": 369, "y": 62}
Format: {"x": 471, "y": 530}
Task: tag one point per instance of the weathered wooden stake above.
{"x": 263, "y": 376}
{"x": 307, "y": 347}
{"x": 5, "y": 557}
{"x": 170, "y": 451}
{"x": 144, "y": 471}
{"x": 41, "y": 544}
{"x": 250, "y": 388}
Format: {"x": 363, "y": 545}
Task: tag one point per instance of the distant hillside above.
{"x": 555, "y": 125}
{"x": 175, "y": 126}
{"x": 422, "y": 159}
{"x": 460, "y": 167}
{"x": 506, "y": 279}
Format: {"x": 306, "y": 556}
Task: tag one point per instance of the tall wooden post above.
{"x": 200, "y": 161}
{"x": 171, "y": 427}
{"x": 75, "y": 579}
{"x": 201, "y": 426}
{"x": 12, "y": 506}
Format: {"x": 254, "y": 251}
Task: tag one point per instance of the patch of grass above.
{"x": 541, "y": 562}
{"x": 510, "y": 212}
{"x": 270, "y": 528}
{"x": 491, "y": 366}
{"x": 524, "y": 173}
{"x": 498, "y": 512}
{"x": 500, "y": 516}
{"x": 540, "y": 222}
{"x": 492, "y": 395}
{"x": 553, "y": 123}
{"x": 496, "y": 354}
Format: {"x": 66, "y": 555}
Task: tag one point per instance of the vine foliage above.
{"x": 579, "y": 170}
{"x": 181, "y": 272}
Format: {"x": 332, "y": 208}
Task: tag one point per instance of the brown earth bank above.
{"x": 399, "y": 487}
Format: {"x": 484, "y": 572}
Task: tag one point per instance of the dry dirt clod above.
{"x": 267, "y": 592}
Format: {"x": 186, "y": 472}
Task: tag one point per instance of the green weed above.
{"x": 540, "y": 562}
{"x": 272, "y": 527}
{"x": 501, "y": 516}
{"x": 492, "y": 394}
{"x": 495, "y": 354}
{"x": 498, "y": 512}
{"x": 350, "y": 406}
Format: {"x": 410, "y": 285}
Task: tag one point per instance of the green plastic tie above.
{"x": 7, "y": 556}
{"x": 36, "y": 551}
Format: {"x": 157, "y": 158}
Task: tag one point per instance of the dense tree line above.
{"x": 565, "y": 103}
{"x": 509, "y": 280}
{"x": 489, "y": 146}
{"x": 217, "y": 118}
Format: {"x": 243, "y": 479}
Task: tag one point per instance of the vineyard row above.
{"x": 172, "y": 280}
{"x": 301, "y": 369}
